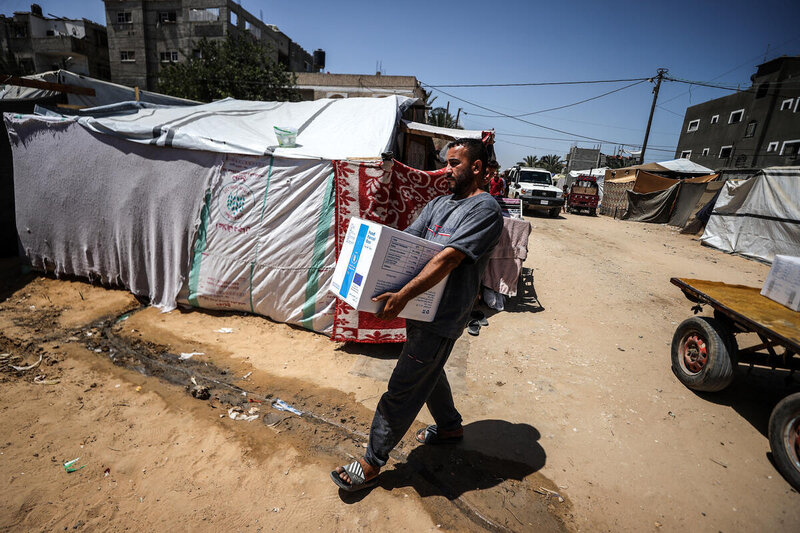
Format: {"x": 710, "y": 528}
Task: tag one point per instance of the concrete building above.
{"x": 144, "y": 35}
{"x": 316, "y": 85}
{"x": 583, "y": 159}
{"x": 753, "y": 128}
{"x": 31, "y": 43}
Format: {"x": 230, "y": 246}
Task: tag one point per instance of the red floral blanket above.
{"x": 393, "y": 198}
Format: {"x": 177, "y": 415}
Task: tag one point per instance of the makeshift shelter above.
{"x": 615, "y": 199}
{"x": 201, "y": 205}
{"x": 758, "y": 217}
{"x": 421, "y": 142}
{"x": 63, "y": 90}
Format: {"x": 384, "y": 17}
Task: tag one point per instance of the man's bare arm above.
{"x": 435, "y": 271}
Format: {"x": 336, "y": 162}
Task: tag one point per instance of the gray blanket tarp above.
{"x": 686, "y": 203}
{"x": 102, "y": 207}
{"x": 653, "y": 207}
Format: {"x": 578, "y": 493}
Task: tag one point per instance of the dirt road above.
{"x": 574, "y": 419}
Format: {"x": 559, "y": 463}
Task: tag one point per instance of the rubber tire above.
{"x": 592, "y": 212}
{"x": 718, "y": 371}
{"x": 554, "y": 212}
{"x": 787, "y": 461}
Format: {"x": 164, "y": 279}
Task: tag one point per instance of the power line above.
{"x": 531, "y": 84}
{"x": 523, "y": 120}
{"x": 564, "y": 106}
{"x": 558, "y": 138}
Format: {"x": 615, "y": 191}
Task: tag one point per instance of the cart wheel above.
{"x": 784, "y": 438}
{"x": 703, "y": 356}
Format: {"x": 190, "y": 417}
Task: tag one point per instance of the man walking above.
{"x": 468, "y": 223}
{"x": 497, "y": 185}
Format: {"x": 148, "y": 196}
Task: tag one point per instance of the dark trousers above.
{"x": 418, "y": 379}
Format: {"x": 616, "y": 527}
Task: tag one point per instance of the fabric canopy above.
{"x": 106, "y": 93}
{"x": 653, "y": 207}
{"x": 345, "y": 128}
{"x": 758, "y": 217}
{"x": 429, "y": 130}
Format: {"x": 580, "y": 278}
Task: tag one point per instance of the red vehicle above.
{"x": 583, "y": 195}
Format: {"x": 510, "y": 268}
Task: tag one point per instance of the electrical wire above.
{"x": 533, "y": 84}
{"x": 563, "y": 106}
{"x": 522, "y": 119}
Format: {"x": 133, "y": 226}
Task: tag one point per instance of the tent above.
{"x": 758, "y": 217}
{"x": 615, "y": 199}
{"x": 105, "y": 92}
{"x": 663, "y": 200}
{"x": 201, "y": 205}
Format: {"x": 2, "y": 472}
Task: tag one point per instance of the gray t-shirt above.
{"x": 472, "y": 226}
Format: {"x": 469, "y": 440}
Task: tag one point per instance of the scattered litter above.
{"x": 124, "y": 317}
{"x": 224, "y": 330}
{"x": 246, "y": 375}
{"x": 620, "y": 349}
{"x": 547, "y": 493}
{"x": 280, "y": 405}
{"x": 185, "y": 356}
{"x": 201, "y": 392}
{"x": 41, "y": 379}
{"x": 275, "y": 510}
{"x": 671, "y": 414}
{"x": 116, "y": 386}
{"x": 723, "y": 465}
{"x": 253, "y": 400}
{"x": 138, "y": 388}
{"x": 68, "y": 466}
{"x": 237, "y": 413}
{"x": 24, "y": 368}
{"x": 106, "y": 472}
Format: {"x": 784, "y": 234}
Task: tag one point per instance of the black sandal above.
{"x": 430, "y": 435}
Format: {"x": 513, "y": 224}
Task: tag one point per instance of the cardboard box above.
{"x": 783, "y": 282}
{"x": 375, "y": 259}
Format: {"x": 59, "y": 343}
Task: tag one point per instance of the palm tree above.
{"x": 552, "y": 163}
{"x": 529, "y": 161}
{"x": 440, "y": 117}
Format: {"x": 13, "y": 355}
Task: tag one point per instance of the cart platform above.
{"x": 747, "y": 307}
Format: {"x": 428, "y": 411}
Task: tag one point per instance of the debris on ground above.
{"x": 238, "y": 413}
{"x": 280, "y": 405}
{"x": 189, "y": 355}
{"x": 69, "y": 465}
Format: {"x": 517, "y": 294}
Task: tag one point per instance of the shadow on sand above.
{"x": 492, "y": 452}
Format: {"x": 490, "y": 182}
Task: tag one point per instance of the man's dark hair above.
{"x": 493, "y": 164}
{"x": 475, "y": 149}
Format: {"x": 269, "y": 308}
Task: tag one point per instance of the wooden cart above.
{"x": 705, "y": 353}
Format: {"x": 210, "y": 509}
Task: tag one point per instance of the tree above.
{"x": 552, "y": 163}
{"x": 236, "y": 67}
{"x": 440, "y": 117}
{"x": 529, "y": 161}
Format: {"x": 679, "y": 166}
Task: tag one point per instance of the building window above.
{"x": 761, "y": 92}
{"x": 693, "y": 125}
{"x": 197, "y": 54}
{"x": 715, "y": 119}
{"x": 725, "y": 152}
{"x": 773, "y": 146}
{"x": 167, "y": 17}
{"x": 790, "y": 148}
{"x": 234, "y": 18}
{"x": 209, "y": 14}
{"x": 736, "y": 116}
{"x": 705, "y": 151}
{"x": 751, "y": 128}
{"x": 127, "y": 56}
{"x": 124, "y": 17}
{"x": 787, "y": 104}
{"x": 168, "y": 57}
{"x": 686, "y": 154}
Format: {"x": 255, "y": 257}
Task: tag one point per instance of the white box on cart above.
{"x": 375, "y": 259}
{"x": 783, "y": 282}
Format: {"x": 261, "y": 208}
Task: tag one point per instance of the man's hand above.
{"x": 395, "y": 303}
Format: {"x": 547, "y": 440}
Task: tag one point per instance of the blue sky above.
{"x": 524, "y": 41}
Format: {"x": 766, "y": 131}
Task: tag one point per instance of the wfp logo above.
{"x": 234, "y": 201}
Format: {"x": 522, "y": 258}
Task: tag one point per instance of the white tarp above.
{"x": 440, "y": 132}
{"x": 106, "y": 93}
{"x": 758, "y": 217}
{"x": 107, "y": 209}
{"x": 685, "y": 166}
{"x": 332, "y": 129}
{"x": 266, "y": 241}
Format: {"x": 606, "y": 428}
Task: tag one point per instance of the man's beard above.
{"x": 460, "y": 184}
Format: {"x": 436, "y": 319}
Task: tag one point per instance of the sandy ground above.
{"x": 573, "y": 396}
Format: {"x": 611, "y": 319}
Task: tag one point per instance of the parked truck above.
{"x": 534, "y": 187}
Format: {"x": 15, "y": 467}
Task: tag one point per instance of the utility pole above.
{"x": 659, "y": 77}
{"x": 457, "y": 116}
